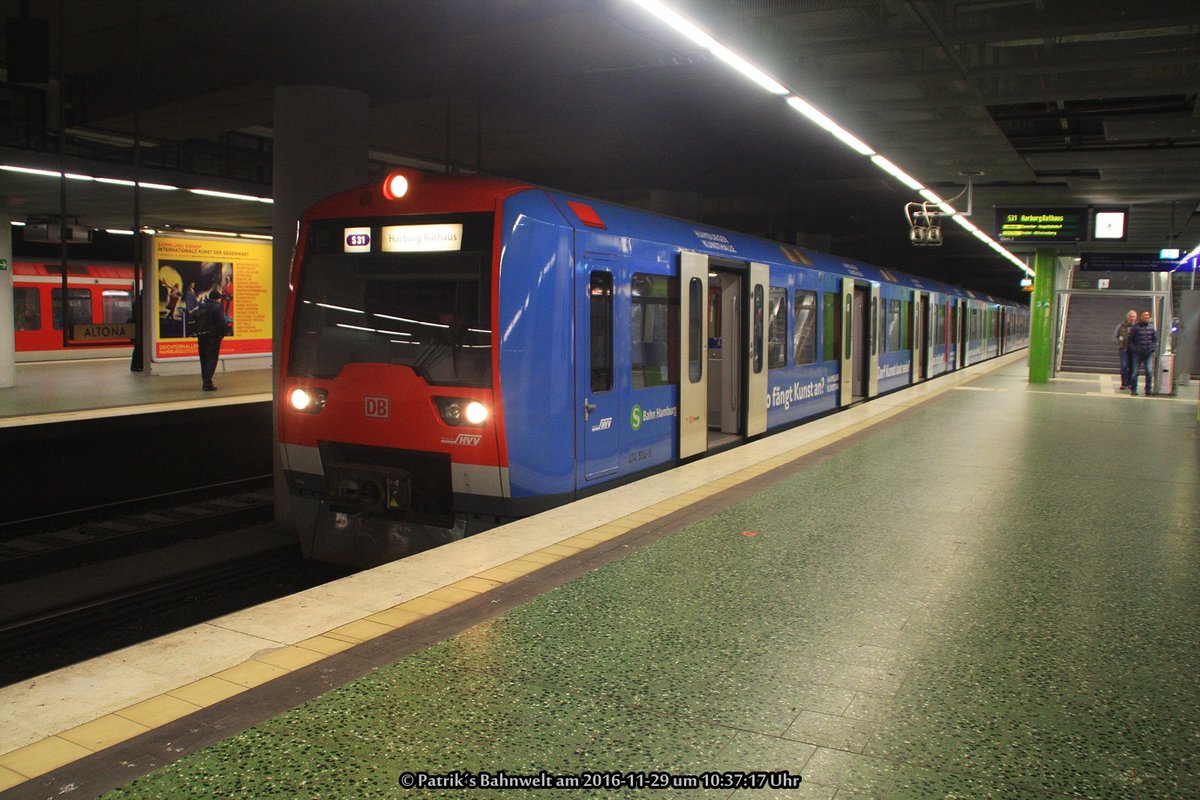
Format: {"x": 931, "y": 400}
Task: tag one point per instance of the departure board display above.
{"x": 1041, "y": 224}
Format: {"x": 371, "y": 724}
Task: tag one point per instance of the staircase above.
{"x": 1088, "y": 344}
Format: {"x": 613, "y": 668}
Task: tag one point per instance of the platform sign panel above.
{"x": 1124, "y": 262}
{"x": 1038, "y": 225}
{"x": 185, "y": 270}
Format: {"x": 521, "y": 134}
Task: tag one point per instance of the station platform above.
{"x": 973, "y": 588}
{"x": 46, "y": 392}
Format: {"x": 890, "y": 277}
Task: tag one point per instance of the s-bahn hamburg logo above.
{"x": 377, "y": 407}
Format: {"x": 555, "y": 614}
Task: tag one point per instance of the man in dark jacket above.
{"x": 1142, "y": 341}
{"x": 210, "y": 330}
{"x": 1119, "y": 337}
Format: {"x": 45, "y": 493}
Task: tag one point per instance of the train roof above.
{"x": 466, "y": 193}
{"x": 721, "y": 243}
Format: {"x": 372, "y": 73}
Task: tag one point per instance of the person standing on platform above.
{"x": 1142, "y": 342}
{"x": 1120, "y": 336}
{"x": 209, "y": 327}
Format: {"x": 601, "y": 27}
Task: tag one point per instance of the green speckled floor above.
{"x": 997, "y": 595}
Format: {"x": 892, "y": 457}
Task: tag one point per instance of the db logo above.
{"x": 376, "y": 407}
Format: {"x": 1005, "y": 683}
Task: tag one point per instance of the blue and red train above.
{"x": 460, "y": 351}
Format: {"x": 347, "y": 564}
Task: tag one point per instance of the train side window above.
{"x": 695, "y": 330}
{"x": 777, "y": 315}
{"x": 27, "y": 309}
{"x": 804, "y": 339}
{"x": 756, "y": 339}
{"x": 876, "y": 320}
{"x": 848, "y": 322}
{"x": 79, "y": 307}
{"x": 118, "y": 305}
{"x": 601, "y": 318}
{"x": 654, "y": 337}
{"x": 831, "y": 325}
{"x": 895, "y": 332}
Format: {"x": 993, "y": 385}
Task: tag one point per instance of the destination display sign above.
{"x": 1041, "y": 224}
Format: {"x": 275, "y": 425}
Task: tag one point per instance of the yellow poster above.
{"x": 235, "y": 272}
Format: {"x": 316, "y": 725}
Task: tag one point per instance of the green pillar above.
{"x": 1041, "y": 311}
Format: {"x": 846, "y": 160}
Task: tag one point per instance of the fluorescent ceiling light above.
{"x": 161, "y": 186}
{"x": 77, "y": 177}
{"x": 699, "y": 36}
{"x": 210, "y": 233}
{"x": 256, "y": 236}
{"x": 118, "y": 231}
{"x": 896, "y": 172}
{"x": 964, "y": 222}
{"x": 818, "y": 117}
{"x": 115, "y": 181}
{"x": 749, "y": 70}
{"x": 231, "y": 195}
{"x": 30, "y": 171}
{"x": 931, "y": 197}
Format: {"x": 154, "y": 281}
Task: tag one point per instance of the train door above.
{"x": 862, "y": 315}
{"x": 756, "y": 380}
{"x": 598, "y": 431}
{"x": 873, "y": 337}
{"x": 922, "y": 336}
{"x": 736, "y": 371}
{"x": 726, "y": 340}
{"x": 693, "y": 357}
{"x": 959, "y": 325}
{"x": 846, "y": 393}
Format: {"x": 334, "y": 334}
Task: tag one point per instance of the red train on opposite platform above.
{"x": 97, "y": 293}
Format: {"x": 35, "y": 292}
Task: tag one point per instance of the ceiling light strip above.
{"x": 702, "y": 38}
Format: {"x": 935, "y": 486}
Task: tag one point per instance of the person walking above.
{"x": 1142, "y": 342}
{"x": 209, "y": 327}
{"x": 1120, "y": 336}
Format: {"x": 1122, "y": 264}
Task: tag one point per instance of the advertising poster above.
{"x": 236, "y": 272}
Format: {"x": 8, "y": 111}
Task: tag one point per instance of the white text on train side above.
{"x": 715, "y": 241}
{"x": 893, "y": 370}
{"x": 786, "y": 395}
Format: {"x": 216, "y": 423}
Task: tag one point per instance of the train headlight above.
{"x": 460, "y": 411}
{"x": 308, "y": 401}
{"x": 476, "y": 412}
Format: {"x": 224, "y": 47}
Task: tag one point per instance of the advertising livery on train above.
{"x": 461, "y": 351}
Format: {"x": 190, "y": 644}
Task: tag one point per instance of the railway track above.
{"x": 56, "y": 542}
{"x": 75, "y": 586}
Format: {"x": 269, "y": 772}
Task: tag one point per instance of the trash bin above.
{"x": 1166, "y": 374}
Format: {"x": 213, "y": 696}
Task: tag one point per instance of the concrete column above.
{"x": 1041, "y": 333}
{"x": 320, "y": 148}
{"x": 8, "y": 347}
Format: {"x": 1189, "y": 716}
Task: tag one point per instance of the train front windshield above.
{"x": 430, "y": 311}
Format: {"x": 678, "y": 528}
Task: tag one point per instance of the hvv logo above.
{"x": 468, "y": 439}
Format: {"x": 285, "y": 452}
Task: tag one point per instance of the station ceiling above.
{"x": 1055, "y": 102}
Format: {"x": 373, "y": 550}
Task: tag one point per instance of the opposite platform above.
{"x": 58, "y": 391}
{"x": 948, "y": 605}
